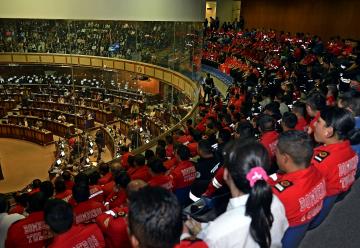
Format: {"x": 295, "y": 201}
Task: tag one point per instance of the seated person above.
{"x": 139, "y": 170}
{"x": 184, "y": 173}
{"x": 113, "y": 223}
{"x": 21, "y": 233}
{"x": 299, "y": 185}
{"x": 315, "y": 102}
{"x": 150, "y": 204}
{"x": 335, "y": 158}
{"x": 118, "y": 196}
{"x": 159, "y": 177}
{"x": 85, "y": 209}
{"x": 254, "y": 216}
{"x": 288, "y": 121}
{"x": 59, "y": 216}
{"x": 266, "y": 126}
{"x": 105, "y": 173}
{"x": 299, "y": 109}
{"x": 60, "y": 190}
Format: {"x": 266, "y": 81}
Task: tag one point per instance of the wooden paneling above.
{"x": 19, "y": 58}
{"x": 84, "y": 61}
{"x": 60, "y": 59}
{"x": 325, "y": 18}
{"x": 5, "y": 58}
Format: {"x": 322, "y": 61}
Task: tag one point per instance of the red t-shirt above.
{"x": 114, "y": 228}
{"x": 65, "y": 196}
{"x": 191, "y": 244}
{"x": 85, "y": 212}
{"x": 105, "y": 179}
{"x": 193, "y": 148}
{"x": 301, "y": 125}
{"x": 80, "y": 236}
{"x": 337, "y": 163}
{"x": 170, "y": 163}
{"x": 124, "y": 160}
{"x": 269, "y": 140}
{"x": 17, "y": 209}
{"x": 108, "y": 188}
{"x": 96, "y": 193}
{"x": 29, "y": 232}
{"x": 116, "y": 199}
{"x": 69, "y": 184}
{"x": 169, "y": 150}
{"x": 141, "y": 172}
{"x": 302, "y": 193}
{"x": 162, "y": 181}
{"x": 183, "y": 174}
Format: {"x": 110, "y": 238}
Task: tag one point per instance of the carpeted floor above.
{"x": 23, "y": 161}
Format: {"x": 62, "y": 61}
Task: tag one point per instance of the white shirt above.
{"x": 232, "y": 228}
{"x": 5, "y": 222}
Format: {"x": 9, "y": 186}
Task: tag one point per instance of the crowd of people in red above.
{"x": 278, "y": 151}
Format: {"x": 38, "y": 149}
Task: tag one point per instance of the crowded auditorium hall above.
{"x": 179, "y": 124}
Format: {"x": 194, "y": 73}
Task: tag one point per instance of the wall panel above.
{"x": 323, "y": 17}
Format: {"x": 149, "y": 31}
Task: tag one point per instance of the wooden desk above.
{"x": 20, "y": 132}
{"x": 101, "y": 116}
{"x": 56, "y": 127}
{"x": 80, "y": 122}
{"x": 6, "y": 105}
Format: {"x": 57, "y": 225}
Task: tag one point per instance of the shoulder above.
{"x": 320, "y": 155}
{"x": 282, "y": 186}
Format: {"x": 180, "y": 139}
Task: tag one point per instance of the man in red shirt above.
{"x": 59, "y": 216}
{"x": 335, "y": 159}
{"x": 85, "y": 210}
{"x": 150, "y": 204}
{"x": 61, "y": 192}
{"x": 31, "y": 232}
{"x": 140, "y": 170}
{"x": 288, "y": 121}
{"x": 118, "y": 196}
{"x": 105, "y": 173}
{"x": 269, "y": 136}
{"x": 299, "y": 109}
{"x": 299, "y": 186}
{"x": 96, "y": 192}
{"x": 21, "y": 203}
{"x": 184, "y": 173}
{"x": 35, "y": 186}
{"x": 314, "y": 104}
{"x": 124, "y": 151}
{"x": 68, "y": 179}
{"x": 113, "y": 223}
{"x": 157, "y": 170}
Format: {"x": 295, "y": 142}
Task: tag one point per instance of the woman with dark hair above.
{"x": 335, "y": 158}
{"x": 254, "y": 216}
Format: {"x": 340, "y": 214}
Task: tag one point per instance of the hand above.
{"x": 192, "y": 226}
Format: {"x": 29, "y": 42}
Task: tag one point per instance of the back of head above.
{"x": 104, "y": 168}
{"x": 298, "y": 145}
{"x": 149, "y": 154}
{"x": 245, "y": 130}
{"x": 183, "y": 152}
{"x": 139, "y": 160}
{"x": 66, "y": 175}
{"x": 81, "y": 192}
{"x": 289, "y": 120}
{"x": 204, "y": 147}
{"x": 316, "y": 101}
{"x": 36, "y": 202}
{"x": 122, "y": 179}
{"x": 351, "y": 100}
{"x": 224, "y": 136}
{"x": 160, "y": 152}
{"x": 134, "y": 186}
{"x": 266, "y": 123}
{"x": 81, "y": 178}
{"x": 36, "y": 184}
{"x": 4, "y": 204}
{"x": 60, "y": 185}
{"x": 242, "y": 160}
{"x": 299, "y": 108}
{"x": 94, "y": 178}
{"x": 155, "y": 218}
{"x": 58, "y": 215}
{"x": 157, "y": 166}
{"x": 341, "y": 120}
{"x": 47, "y": 188}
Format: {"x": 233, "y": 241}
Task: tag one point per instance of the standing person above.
{"x": 59, "y": 216}
{"x": 6, "y": 219}
{"x": 100, "y": 142}
{"x": 254, "y": 216}
{"x": 209, "y": 85}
